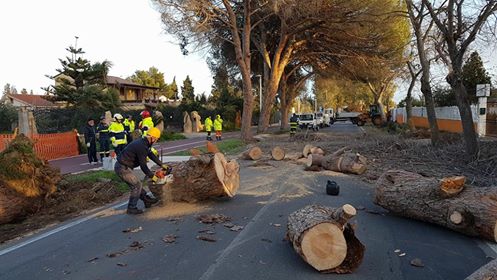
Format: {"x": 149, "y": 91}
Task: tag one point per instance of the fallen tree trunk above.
{"x": 25, "y": 180}
{"x": 203, "y": 177}
{"x": 253, "y": 153}
{"x": 324, "y": 239}
{"x": 486, "y": 272}
{"x": 314, "y": 159}
{"x": 473, "y": 211}
{"x": 310, "y": 149}
{"x": 277, "y": 153}
{"x": 345, "y": 162}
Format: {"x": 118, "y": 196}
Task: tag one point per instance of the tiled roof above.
{"x": 33, "y": 100}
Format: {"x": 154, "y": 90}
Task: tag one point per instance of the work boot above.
{"x": 132, "y": 209}
{"x": 150, "y": 201}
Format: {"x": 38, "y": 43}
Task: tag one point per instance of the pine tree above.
{"x": 83, "y": 84}
{"x": 474, "y": 73}
{"x": 187, "y": 91}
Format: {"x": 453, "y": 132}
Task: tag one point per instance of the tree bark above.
{"x": 203, "y": 177}
{"x": 277, "y": 153}
{"x": 311, "y": 149}
{"x": 314, "y": 159}
{"x": 324, "y": 239}
{"x": 486, "y": 272}
{"x": 253, "y": 153}
{"x": 473, "y": 211}
{"x": 346, "y": 162}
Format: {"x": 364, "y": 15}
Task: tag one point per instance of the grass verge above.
{"x": 171, "y": 136}
{"x": 94, "y": 176}
{"x": 228, "y": 146}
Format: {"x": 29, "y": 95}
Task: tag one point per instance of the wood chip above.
{"x": 170, "y": 238}
{"x": 133, "y": 230}
{"x": 417, "y": 262}
{"x": 402, "y": 254}
{"x": 93, "y": 259}
{"x": 122, "y": 264}
{"x": 397, "y": 251}
{"x": 277, "y": 225}
{"x": 213, "y": 218}
{"x": 266, "y": 240}
{"x": 236, "y": 228}
{"x": 207, "y": 231}
{"x": 206, "y": 238}
{"x": 229, "y": 225}
{"x": 136, "y": 245}
{"x": 115, "y": 254}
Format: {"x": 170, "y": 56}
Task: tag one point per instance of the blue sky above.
{"x": 129, "y": 33}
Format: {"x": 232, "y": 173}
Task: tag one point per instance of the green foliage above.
{"x": 444, "y": 96}
{"x": 92, "y": 177}
{"x": 8, "y": 116}
{"x": 228, "y": 146}
{"x": 416, "y": 102}
{"x": 82, "y": 84}
{"x": 171, "y": 136}
{"x": 474, "y": 73}
{"x": 19, "y": 153}
{"x": 172, "y": 90}
{"x": 152, "y": 78}
{"x": 187, "y": 91}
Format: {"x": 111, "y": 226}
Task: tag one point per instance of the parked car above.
{"x": 308, "y": 120}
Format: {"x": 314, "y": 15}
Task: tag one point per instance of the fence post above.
{"x": 482, "y": 116}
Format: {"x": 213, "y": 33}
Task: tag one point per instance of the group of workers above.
{"x": 118, "y": 134}
{"x": 131, "y": 154}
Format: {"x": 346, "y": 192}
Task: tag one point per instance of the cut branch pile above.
{"x": 324, "y": 239}
{"x": 469, "y": 210}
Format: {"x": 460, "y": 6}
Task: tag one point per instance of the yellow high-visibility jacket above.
{"x": 208, "y": 124}
{"x": 117, "y": 133}
{"x": 218, "y": 123}
{"x": 129, "y": 124}
{"x": 145, "y": 125}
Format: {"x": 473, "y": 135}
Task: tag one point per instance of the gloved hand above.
{"x": 155, "y": 179}
{"x": 88, "y": 144}
{"x": 114, "y": 144}
{"x": 168, "y": 169}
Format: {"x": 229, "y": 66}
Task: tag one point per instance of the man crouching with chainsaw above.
{"x": 135, "y": 154}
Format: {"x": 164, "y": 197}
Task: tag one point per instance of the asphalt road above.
{"x": 259, "y": 251}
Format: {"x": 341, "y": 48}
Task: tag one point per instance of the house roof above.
{"x": 112, "y": 80}
{"x": 33, "y": 100}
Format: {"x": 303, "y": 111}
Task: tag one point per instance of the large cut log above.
{"x": 25, "y": 180}
{"x": 314, "y": 159}
{"x": 486, "y": 272}
{"x": 324, "y": 239}
{"x": 277, "y": 153}
{"x": 203, "y": 177}
{"x": 311, "y": 149}
{"x": 253, "y": 153}
{"x": 473, "y": 211}
{"x": 346, "y": 162}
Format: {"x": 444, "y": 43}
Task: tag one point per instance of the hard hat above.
{"x": 145, "y": 114}
{"x": 118, "y": 116}
{"x": 154, "y": 132}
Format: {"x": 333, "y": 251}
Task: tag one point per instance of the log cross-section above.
{"x": 324, "y": 239}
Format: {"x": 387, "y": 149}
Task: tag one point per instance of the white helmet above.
{"x": 118, "y": 116}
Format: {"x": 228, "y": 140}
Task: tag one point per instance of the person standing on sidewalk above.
{"x": 208, "y": 127}
{"x": 118, "y": 134}
{"x": 91, "y": 141}
{"x": 134, "y": 155}
{"x": 103, "y": 138}
{"x": 218, "y": 127}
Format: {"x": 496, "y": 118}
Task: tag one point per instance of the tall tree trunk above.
{"x": 469, "y": 133}
{"x": 267, "y": 102}
{"x": 430, "y": 110}
{"x": 409, "y": 108}
{"x": 284, "y": 106}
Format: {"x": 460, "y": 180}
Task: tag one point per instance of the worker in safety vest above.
{"x": 135, "y": 155}
{"x": 218, "y": 127}
{"x": 118, "y": 134}
{"x": 294, "y": 123}
{"x": 129, "y": 127}
{"x": 208, "y": 127}
{"x": 103, "y": 138}
{"x": 146, "y": 123}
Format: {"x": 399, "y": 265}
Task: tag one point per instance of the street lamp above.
{"x": 260, "y": 92}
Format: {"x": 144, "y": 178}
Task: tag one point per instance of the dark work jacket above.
{"x": 89, "y": 132}
{"x": 135, "y": 154}
{"x": 103, "y": 130}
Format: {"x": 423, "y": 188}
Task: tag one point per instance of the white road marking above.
{"x": 492, "y": 246}
{"x": 56, "y": 230}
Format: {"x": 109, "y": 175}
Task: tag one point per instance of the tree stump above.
{"x": 277, "y": 153}
{"x": 253, "y": 153}
{"x": 486, "y": 272}
{"x": 314, "y": 159}
{"x": 311, "y": 149}
{"x": 473, "y": 211}
{"x": 203, "y": 177}
{"x": 324, "y": 239}
{"x": 347, "y": 163}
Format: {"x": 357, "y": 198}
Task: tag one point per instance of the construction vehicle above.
{"x": 360, "y": 119}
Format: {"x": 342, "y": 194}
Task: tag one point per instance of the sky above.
{"x": 35, "y": 34}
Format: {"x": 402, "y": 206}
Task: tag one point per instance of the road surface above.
{"x": 78, "y": 249}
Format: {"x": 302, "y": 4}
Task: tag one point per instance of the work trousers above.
{"x": 134, "y": 184}
{"x": 92, "y": 152}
